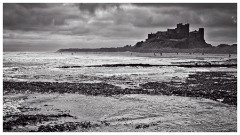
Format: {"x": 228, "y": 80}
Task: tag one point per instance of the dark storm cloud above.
{"x": 34, "y": 16}
{"x": 33, "y": 5}
{"x": 31, "y": 16}
{"x": 205, "y": 14}
{"x": 193, "y": 6}
{"x": 92, "y": 7}
{"x": 113, "y": 22}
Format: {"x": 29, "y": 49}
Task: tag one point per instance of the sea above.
{"x": 89, "y": 67}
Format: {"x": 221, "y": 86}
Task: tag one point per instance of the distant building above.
{"x": 182, "y": 31}
{"x": 179, "y": 37}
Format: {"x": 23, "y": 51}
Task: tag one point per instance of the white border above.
{"x": 107, "y": 1}
{"x": 120, "y": 1}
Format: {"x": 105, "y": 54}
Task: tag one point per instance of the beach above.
{"x": 48, "y": 91}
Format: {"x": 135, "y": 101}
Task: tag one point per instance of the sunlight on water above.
{"x": 45, "y": 67}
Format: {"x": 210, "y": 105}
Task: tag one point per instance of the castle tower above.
{"x": 201, "y": 32}
{"x": 182, "y": 30}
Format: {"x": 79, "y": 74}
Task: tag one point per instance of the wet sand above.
{"x": 204, "y": 98}
{"x": 135, "y": 112}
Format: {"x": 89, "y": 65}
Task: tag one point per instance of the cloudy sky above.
{"x": 48, "y": 27}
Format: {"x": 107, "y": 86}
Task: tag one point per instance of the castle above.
{"x": 182, "y": 31}
{"x": 179, "y": 37}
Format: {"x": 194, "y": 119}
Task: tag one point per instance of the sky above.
{"x": 51, "y": 26}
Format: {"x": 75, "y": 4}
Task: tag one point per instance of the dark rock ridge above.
{"x": 179, "y": 37}
{"x": 226, "y": 45}
{"x": 229, "y": 63}
{"x": 212, "y": 50}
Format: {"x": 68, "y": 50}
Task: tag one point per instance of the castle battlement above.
{"x": 181, "y": 32}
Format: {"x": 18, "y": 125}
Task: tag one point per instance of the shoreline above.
{"x": 210, "y": 50}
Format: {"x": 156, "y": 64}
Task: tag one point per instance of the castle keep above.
{"x": 179, "y": 37}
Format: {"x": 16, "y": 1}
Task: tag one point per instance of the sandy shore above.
{"x": 136, "y": 112}
{"x": 34, "y": 106}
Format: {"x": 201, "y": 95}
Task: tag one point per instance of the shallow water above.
{"x": 45, "y": 67}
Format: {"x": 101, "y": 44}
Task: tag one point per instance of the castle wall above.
{"x": 151, "y": 36}
{"x": 198, "y": 35}
{"x": 162, "y": 35}
{"x": 172, "y": 33}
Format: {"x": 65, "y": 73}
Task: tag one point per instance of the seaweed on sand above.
{"x": 11, "y": 121}
{"x": 219, "y": 86}
{"x": 67, "y": 126}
